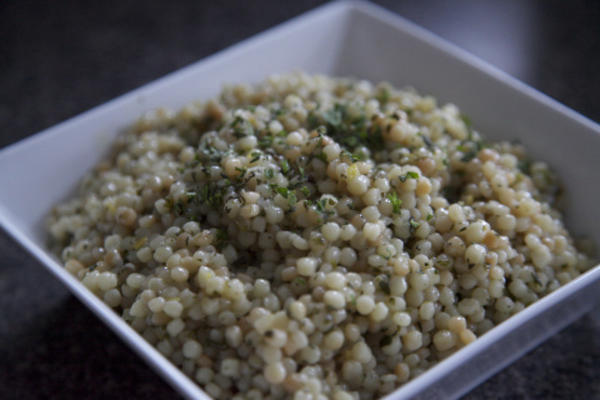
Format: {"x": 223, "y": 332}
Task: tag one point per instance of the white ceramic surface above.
{"x": 342, "y": 38}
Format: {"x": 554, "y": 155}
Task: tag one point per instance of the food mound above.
{"x": 312, "y": 237}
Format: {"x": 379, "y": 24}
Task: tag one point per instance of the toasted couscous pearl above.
{"x": 268, "y": 256}
{"x": 371, "y": 231}
{"x": 334, "y": 340}
{"x": 475, "y": 254}
{"x": 331, "y": 231}
{"x": 112, "y": 297}
{"x": 335, "y": 280}
{"x": 192, "y": 349}
{"x": 444, "y": 340}
{"x": 298, "y": 310}
{"x": 173, "y": 308}
{"x": 380, "y": 312}
{"x": 275, "y": 373}
{"x": 402, "y": 319}
{"x": 276, "y": 338}
{"x": 413, "y": 340}
{"x": 307, "y": 266}
{"x": 334, "y": 299}
{"x": 358, "y": 185}
{"x": 365, "y": 305}
{"x": 361, "y": 352}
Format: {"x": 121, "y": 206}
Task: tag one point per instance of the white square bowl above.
{"x": 342, "y": 38}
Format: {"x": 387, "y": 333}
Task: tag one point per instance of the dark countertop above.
{"x": 58, "y": 59}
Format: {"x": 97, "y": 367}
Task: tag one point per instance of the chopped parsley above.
{"x": 242, "y": 128}
{"x": 321, "y": 205}
{"x": 427, "y": 141}
{"x": 524, "y": 165}
{"x": 292, "y": 199}
{"x": 300, "y": 281}
{"x": 396, "y": 202}
{"x": 281, "y": 190}
{"x": 221, "y": 237}
{"x": 321, "y": 156}
{"x": 409, "y": 175}
{"x": 383, "y": 96}
{"x": 255, "y": 157}
{"x": 265, "y": 142}
{"x": 469, "y": 155}
{"x": 242, "y": 172}
{"x": 413, "y": 225}
{"x": 285, "y": 166}
{"x": 347, "y": 130}
{"x": 384, "y": 283}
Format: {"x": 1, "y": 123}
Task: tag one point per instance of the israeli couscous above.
{"x": 313, "y": 237}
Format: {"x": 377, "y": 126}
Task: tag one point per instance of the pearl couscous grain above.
{"x": 312, "y": 237}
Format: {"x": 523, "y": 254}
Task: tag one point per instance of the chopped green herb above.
{"x": 191, "y": 196}
{"x": 300, "y": 281}
{"x": 222, "y": 237}
{"x": 384, "y": 284}
{"x": 396, "y": 202}
{"x": 302, "y": 173}
{"x": 255, "y": 157}
{"x": 285, "y": 166}
{"x": 536, "y": 278}
{"x": 269, "y": 173}
{"x": 469, "y": 155}
{"x": 321, "y": 156}
{"x": 179, "y": 208}
{"x": 413, "y": 224}
{"x": 524, "y": 165}
{"x": 242, "y": 128}
{"x": 242, "y": 172}
{"x": 281, "y": 190}
{"x": 383, "y": 96}
{"x": 409, "y": 175}
{"x": 359, "y": 156}
{"x": 305, "y": 191}
{"x": 266, "y": 142}
{"x": 334, "y": 117}
{"x": 321, "y": 205}
{"x": 292, "y": 199}
{"x": 312, "y": 120}
{"x": 429, "y": 217}
{"x": 427, "y": 141}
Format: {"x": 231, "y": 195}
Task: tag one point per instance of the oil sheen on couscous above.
{"x": 312, "y": 237}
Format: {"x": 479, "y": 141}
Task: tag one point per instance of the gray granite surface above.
{"x": 58, "y": 59}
